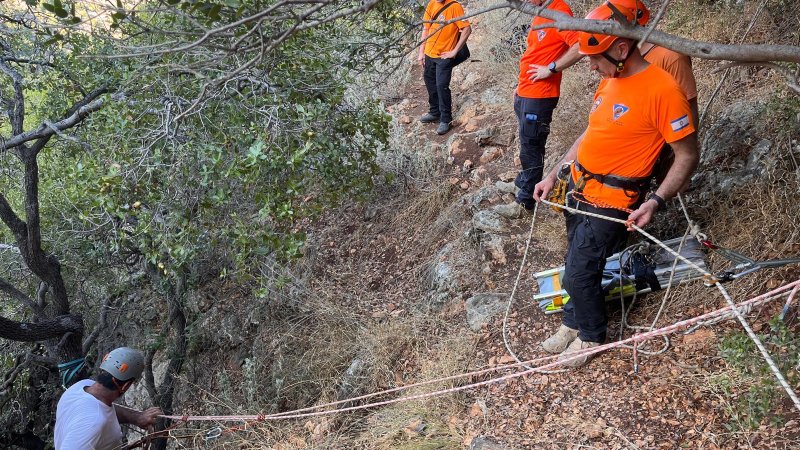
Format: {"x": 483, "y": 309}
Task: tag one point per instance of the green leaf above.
{"x": 213, "y": 12}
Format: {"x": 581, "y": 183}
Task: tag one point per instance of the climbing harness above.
{"x": 69, "y": 370}
{"x": 634, "y": 187}
{"x": 733, "y": 309}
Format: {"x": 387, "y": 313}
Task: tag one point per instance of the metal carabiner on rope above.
{"x": 213, "y": 434}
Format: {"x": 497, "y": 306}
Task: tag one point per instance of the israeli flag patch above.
{"x": 680, "y": 123}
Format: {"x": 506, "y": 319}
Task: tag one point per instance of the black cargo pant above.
{"x": 534, "y": 116}
{"x": 591, "y": 241}
{"x": 437, "y": 74}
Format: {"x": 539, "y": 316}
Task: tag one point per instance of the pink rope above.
{"x": 575, "y": 355}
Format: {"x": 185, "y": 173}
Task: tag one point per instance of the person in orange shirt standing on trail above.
{"x": 441, "y": 45}
{"x": 549, "y": 52}
{"x": 637, "y": 108}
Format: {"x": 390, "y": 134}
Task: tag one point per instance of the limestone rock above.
{"x": 490, "y": 154}
{"x": 485, "y": 443}
{"x": 482, "y": 307}
{"x": 488, "y": 221}
{"x": 488, "y": 194}
{"x": 492, "y": 245}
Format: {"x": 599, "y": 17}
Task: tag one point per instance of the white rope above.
{"x": 734, "y": 310}
{"x": 511, "y": 301}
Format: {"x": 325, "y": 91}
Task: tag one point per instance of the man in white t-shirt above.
{"x": 86, "y": 417}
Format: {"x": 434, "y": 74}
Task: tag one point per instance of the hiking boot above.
{"x": 429, "y": 118}
{"x": 443, "y": 128}
{"x": 510, "y": 211}
{"x": 506, "y": 186}
{"x": 575, "y": 346}
{"x": 558, "y": 342}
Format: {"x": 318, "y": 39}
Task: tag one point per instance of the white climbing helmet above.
{"x": 123, "y": 363}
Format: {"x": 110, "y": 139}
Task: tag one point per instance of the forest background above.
{"x": 173, "y": 173}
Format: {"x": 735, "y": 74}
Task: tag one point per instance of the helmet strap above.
{"x": 618, "y": 63}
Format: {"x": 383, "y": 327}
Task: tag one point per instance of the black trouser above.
{"x": 437, "y": 80}
{"x": 534, "y": 116}
{"x": 591, "y": 241}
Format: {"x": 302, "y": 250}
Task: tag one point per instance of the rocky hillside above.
{"x": 414, "y": 284}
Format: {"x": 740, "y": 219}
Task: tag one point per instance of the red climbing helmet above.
{"x": 595, "y": 43}
{"x": 637, "y": 6}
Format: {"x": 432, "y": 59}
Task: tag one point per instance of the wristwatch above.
{"x": 660, "y": 201}
{"x": 552, "y": 67}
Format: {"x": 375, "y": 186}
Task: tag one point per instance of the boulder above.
{"x": 488, "y": 221}
{"x": 490, "y": 154}
{"x": 485, "y": 443}
{"x": 492, "y": 245}
{"x": 482, "y": 307}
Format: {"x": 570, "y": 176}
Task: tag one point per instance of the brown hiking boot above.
{"x": 558, "y": 342}
{"x": 506, "y": 186}
{"x": 580, "y": 361}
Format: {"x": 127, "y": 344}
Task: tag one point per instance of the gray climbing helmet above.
{"x": 123, "y": 363}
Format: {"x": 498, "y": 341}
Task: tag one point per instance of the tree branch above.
{"x": 101, "y": 324}
{"x": 698, "y": 49}
{"x": 40, "y": 331}
{"x": 16, "y": 111}
{"x": 20, "y": 296}
{"x": 45, "y": 131}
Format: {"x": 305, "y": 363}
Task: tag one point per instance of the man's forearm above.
{"x": 686, "y": 161}
{"x": 127, "y": 415}
{"x": 465, "y": 32}
{"x": 571, "y": 154}
{"x": 570, "y": 57}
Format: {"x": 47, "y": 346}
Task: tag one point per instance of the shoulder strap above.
{"x": 438, "y": 13}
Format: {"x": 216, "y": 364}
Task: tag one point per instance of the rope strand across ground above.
{"x": 755, "y": 301}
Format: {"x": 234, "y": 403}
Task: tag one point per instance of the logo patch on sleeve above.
{"x": 596, "y": 104}
{"x": 619, "y": 110}
{"x": 680, "y": 123}
{"x": 541, "y": 34}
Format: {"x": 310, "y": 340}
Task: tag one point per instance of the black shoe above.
{"x": 429, "y": 118}
{"x": 443, "y": 128}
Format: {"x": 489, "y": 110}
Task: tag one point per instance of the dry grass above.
{"x": 760, "y": 221}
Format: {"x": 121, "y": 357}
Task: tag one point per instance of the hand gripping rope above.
{"x": 714, "y": 281}
{"x": 632, "y": 342}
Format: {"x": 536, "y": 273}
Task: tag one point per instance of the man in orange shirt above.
{"x": 549, "y": 51}
{"x": 437, "y": 54}
{"x": 637, "y": 108}
{"x": 676, "y": 64}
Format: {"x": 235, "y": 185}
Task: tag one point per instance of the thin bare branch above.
{"x": 45, "y": 131}
{"x": 20, "y": 296}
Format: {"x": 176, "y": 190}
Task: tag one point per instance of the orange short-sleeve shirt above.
{"x": 677, "y": 65}
{"x": 442, "y": 39}
{"x": 629, "y": 122}
{"x": 544, "y": 46}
